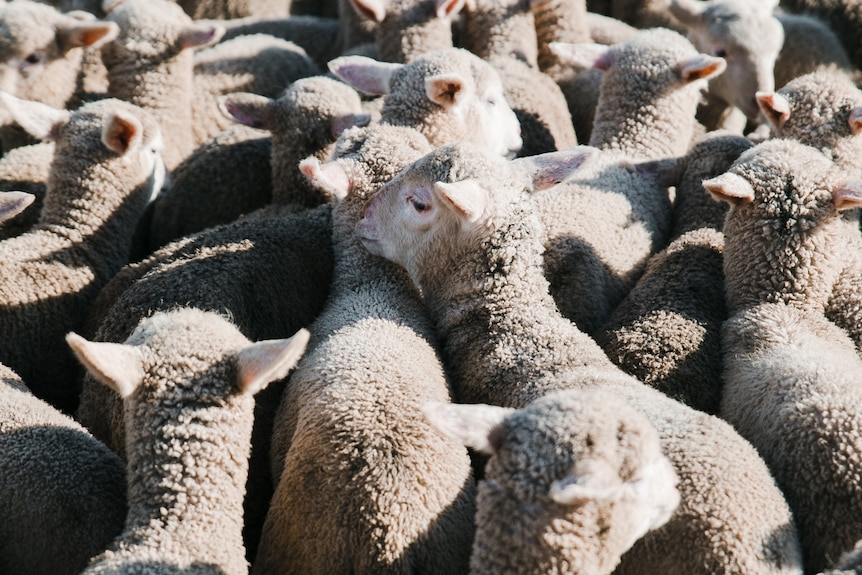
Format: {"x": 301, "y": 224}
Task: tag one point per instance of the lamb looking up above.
{"x": 106, "y": 167}
{"x": 587, "y": 466}
{"x": 187, "y": 379}
{"x": 464, "y": 228}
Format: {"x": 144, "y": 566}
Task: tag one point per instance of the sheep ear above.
{"x": 364, "y": 74}
{"x": 855, "y": 121}
{"x": 448, "y": 8}
{"x": 467, "y": 197}
{"x": 39, "y": 120}
{"x": 13, "y": 203}
{"x": 445, "y": 89}
{"x": 263, "y": 362}
{"x": 370, "y": 9}
{"x": 689, "y": 12}
{"x": 580, "y": 489}
{"x": 666, "y": 172}
{"x": 477, "y": 425}
{"x": 108, "y": 5}
{"x": 116, "y": 365}
{"x": 775, "y": 107}
{"x": 549, "y": 169}
{"x": 122, "y": 133}
{"x": 848, "y": 196}
{"x": 341, "y": 123}
{"x": 199, "y": 36}
{"x": 701, "y": 67}
{"x": 251, "y": 110}
{"x": 332, "y": 177}
{"x": 730, "y": 188}
{"x": 585, "y": 55}
{"x": 78, "y": 34}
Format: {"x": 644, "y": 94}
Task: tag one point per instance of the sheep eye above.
{"x": 492, "y": 102}
{"x": 417, "y": 205}
{"x": 33, "y": 58}
{"x": 721, "y": 52}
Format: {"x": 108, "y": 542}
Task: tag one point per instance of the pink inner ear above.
{"x": 370, "y": 9}
{"x": 448, "y": 8}
{"x": 848, "y": 196}
{"x": 701, "y": 67}
{"x": 774, "y": 106}
{"x": 855, "y": 121}
{"x": 243, "y": 114}
{"x": 730, "y": 188}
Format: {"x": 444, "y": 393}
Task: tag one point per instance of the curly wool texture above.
{"x": 189, "y": 432}
{"x": 25, "y": 169}
{"x": 229, "y": 9}
{"x": 792, "y": 389}
{"x": 409, "y": 29}
{"x": 364, "y": 483}
{"x": 50, "y": 275}
{"x": 505, "y": 343}
{"x": 62, "y": 492}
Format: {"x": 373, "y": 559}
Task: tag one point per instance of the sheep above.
{"x": 587, "y": 466}
{"x": 842, "y": 16}
{"x": 645, "y": 111}
{"x": 504, "y": 34}
{"x": 227, "y": 9}
{"x": 188, "y": 380}
{"x": 106, "y": 166}
{"x": 62, "y": 492}
{"x": 785, "y": 239}
{"x": 40, "y": 55}
{"x": 304, "y": 121}
{"x": 813, "y": 46}
{"x": 462, "y": 225}
{"x": 344, "y": 482}
{"x": 13, "y": 203}
{"x": 791, "y": 379}
{"x": 25, "y": 169}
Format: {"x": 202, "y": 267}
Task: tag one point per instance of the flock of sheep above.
{"x": 430, "y": 286}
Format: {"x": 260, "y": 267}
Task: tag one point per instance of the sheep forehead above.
{"x": 177, "y": 331}
{"x": 781, "y": 170}
{"x": 22, "y": 31}
{"x": 653, "y": 53}
{"x": 741, "y": 23}
{"x": 144, "y": 23}
{"x": 319, "y": 93}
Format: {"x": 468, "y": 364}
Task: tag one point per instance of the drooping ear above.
{"x": 730, "y": 188}
{"x": 584, "y": 55}
{"x": 331, "y": 177}
{"x": 445, "y": 89}
{"x": 665, "y": 172}
{"x": 266, "y": 361}
{"x": 701, "y": 67}
{"x": 80, "y": 34}
{"x": 13, "y": 203}
{"x": 364, "y": 74}
{"x": 855, "y": 121}
{"x": 39, "y": 120}
{"x": 347, "y": 121}
{"x": 689, "y": 12}
{"x": 249, "y": 109}
{"x": 594, "y": 484}
{"x": 775, "y": 107}
{"x": 116, "y": 365}
{"x": 448, "y": 8}
{"x": 199, "y": 35}
{"x": 848, "y": 196}
{"x": 549, "y": 169}
{"x": 370, "y": 9}
{"x": 122, "y": 132}
{"x": 467, "y": 198}
{"x": 477, "y": 425}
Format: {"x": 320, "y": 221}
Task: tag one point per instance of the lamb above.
{"x": 462, "y": 225}
{"x": 187, "y": 379}
{"x": 304, "y": 121}
{"x": 504, "y": 34}
{"x": 62, "y": 492}
{"x": 790, "y": 378}
{"x": 785, "y": 239}
{"x": 106, "y": 166}
{"x": 344, "y": 482}
{"x": 645, "y": 111}
{"x": 588, "y": 466}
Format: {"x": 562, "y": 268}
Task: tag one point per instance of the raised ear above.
{"x": 80, "y": 34}
{"x": 122, "y": 133}
{"x": 116, "y": 365}
{"x": 593, "y": 485}
{"x": 730, "y": 188}
{"x": 855, "y": 121}
{"x": 689, "y": 12}
{"x": 549, "y": 169}
{"x": 39, "y": 120}
{"x": 467, "y": 198}
{"x": 775, "y": 107}
{"x": 701, "y": 67}
{"x": 370, "y": 9}
{"x": 347, "y": 121}
{"x": 448, "y": 8}
{"x": 585, "y": 55}
{"x": 848, "y": 196}
{"x": 445, "y": 89}
{"x": 13, "y": 203}
{"x": 263, "y": 362}
{"x": 476, "y": 425}
{"x": 666, "y": 172}
{"x": 364, "y": 74}
{"x": 199, "y": 36}
{"x": 249, "y": 109}
{"x": 331, "y": 177}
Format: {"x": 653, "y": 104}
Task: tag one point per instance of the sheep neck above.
{"x": 289, "y": 186}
